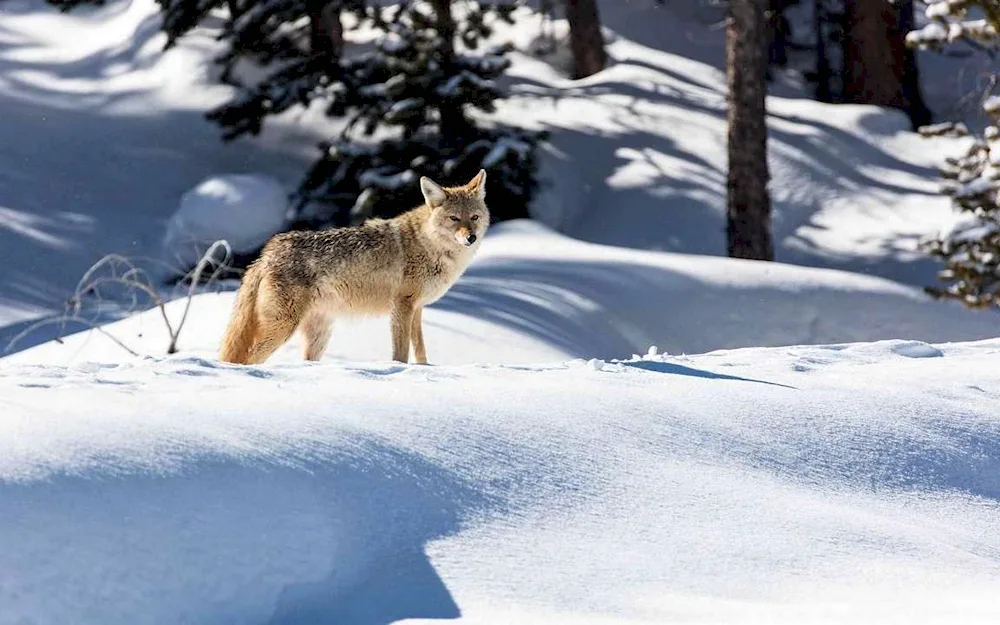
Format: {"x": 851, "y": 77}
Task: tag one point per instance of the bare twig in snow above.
{"x": 114, "y": 271}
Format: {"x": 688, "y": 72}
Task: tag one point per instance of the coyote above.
{"x": 397, "y": 266}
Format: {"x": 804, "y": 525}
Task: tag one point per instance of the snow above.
{"x": 947, "y": 23}
{"x": 244, "y": 210}
{"x": 380, "y": 179}
{"x": 403, "y": 108}
{"x": 102, "y": 134}
{"x": 939, "y": 9}
{"x": 451, "y": 88}
{"x": 811, "y": 440}
{"x": 931, "y": 33}
{"x": 535, "y": 472}
{"x": 978, "y": 186}
{"x": 392, "y": 45}
{"x": 638, "y": 153}
{"x": 945, "y": 128}
{"x": 375, "y": 91}
{"x": 502, "y": 148}
{"x": 734, "y": 486}
{"x": 969, "y": 227}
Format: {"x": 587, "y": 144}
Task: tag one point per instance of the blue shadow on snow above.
{"x": 675, "y": 369}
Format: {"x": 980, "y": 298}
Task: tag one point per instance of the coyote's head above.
{"x": 458, "y": 214}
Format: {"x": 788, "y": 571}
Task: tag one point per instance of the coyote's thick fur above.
{"x": 393, "y": 266}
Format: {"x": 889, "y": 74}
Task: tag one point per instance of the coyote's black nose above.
{"x": 472, "y": 239}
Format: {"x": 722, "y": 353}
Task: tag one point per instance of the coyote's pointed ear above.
{"x": 434, "y": 195}
{"x": 478, "y": 184}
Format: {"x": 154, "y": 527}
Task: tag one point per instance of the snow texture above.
{"x": 243, "y": 210}
{"x": 389, "y": 181}
{"x": 502, "y": 148}
{"x": 736, "y": 487}
{"x": 637, "y": 156}
{"x": 102, "y": 133}
{"x": 409, "y": 106}
{"x": 948, "y": 23}
{"x": 978, "y": 186}
{"x": 563, "y": 483}
{"x": 830, "y": 455}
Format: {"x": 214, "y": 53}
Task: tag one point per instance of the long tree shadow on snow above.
{"x": 337, "y": 538}
{"x": 613, "y": 308}
{"x": 387, "y": 512}
{"x": 672, "y": 368}
{"x": 680, "y": 204}
{"x": 70, "y": 161}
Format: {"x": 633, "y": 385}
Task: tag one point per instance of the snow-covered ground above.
{"x": 518, "y": 479}
{"x": 838, "y": 462}
{"x": 823, "y": 484}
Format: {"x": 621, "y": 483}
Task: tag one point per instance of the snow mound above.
{"x": 738, "y": 487}
{"x": 917, "y": 349}
{"x": 244, "y": 210}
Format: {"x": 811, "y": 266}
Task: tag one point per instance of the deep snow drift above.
{"x": 839, "y": 484}
{"x": 241, "y": 209}
{"x": 101, "y": 135}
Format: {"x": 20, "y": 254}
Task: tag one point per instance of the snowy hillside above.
{"x": 639, "y": 152}
{"x": 804, "y": 444}
{"x": 735, "y": 487}
{"x": 103, "y": 134}
{"x": 840, "y": 484}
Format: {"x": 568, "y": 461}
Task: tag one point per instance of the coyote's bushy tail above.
{"x": 242, "y": 328}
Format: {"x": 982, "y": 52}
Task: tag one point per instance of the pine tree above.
{"x": 971, "y": 249}
{"x": 418, "y": 86}
{"x": 417, "y": 104}
{"x": 749, "y": 206}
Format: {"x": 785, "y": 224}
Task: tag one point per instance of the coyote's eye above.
{"x": 453, "y": 218}
{"x": 475, "y": 218}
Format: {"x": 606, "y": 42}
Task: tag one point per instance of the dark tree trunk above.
{"x": 777, "y": 32}
{"x": 920, "y": 114}
{"x": 824, "y": 74}
{"x": 878, "y": 68}
{"x": 455, "y": 126}
{"x": 585, "y": 38}
{"x": 444, "y": 23}
{"x": 749, "y": 207}
{"x": 326, "y": 33}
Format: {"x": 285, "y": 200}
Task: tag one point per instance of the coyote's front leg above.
{"x": 417, "y": 336}
{"x": 401, "y": 320}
